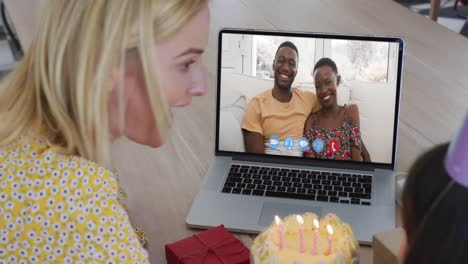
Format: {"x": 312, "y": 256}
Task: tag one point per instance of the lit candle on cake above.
{"x": 316, "y": 233}
{"x": 330, "y": 239}
{"x": 279, "y": 224}
{"x": 300, "y": 221}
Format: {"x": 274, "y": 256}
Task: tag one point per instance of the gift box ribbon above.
{"x": 212, "y": 250}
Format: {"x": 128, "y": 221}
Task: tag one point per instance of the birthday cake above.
{"x": 306, "y": 239}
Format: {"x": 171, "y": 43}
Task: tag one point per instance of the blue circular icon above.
{"x": 274, "y": 142}
{"x": 318, "y": 145}
{"x": 289, "y": 143}
{"x": 303, "y": 144}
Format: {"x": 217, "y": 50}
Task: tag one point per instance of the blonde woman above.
{"x": 95, "y": 71}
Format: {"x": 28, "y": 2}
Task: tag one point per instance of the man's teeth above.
{"x": 284, "y": 76}
{"x": 327, "y": 97}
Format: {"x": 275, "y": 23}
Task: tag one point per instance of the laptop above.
{"x": 246, "y": 186}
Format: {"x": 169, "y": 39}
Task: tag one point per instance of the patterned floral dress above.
{"x": 56, "y": 208}
{"x": 336, "y": 143}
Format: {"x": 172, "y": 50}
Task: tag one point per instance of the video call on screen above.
{"x": 308, "y": 97}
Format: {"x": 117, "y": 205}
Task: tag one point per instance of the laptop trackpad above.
{"x": 270, "y": 209}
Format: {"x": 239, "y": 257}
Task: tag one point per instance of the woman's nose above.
{"x": 198, "y": 89}
{"x": 199, "y": 86}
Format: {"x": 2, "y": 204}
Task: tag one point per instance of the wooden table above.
{"x": 161, "y": 183}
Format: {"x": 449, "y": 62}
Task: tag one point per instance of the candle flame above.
{"x": 277, "y": 220}
{"x": 316, "y": 224}
{"x": 330, "y": 230}
{"x": 299, "y": 219}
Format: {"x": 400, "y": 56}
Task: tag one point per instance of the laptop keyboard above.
{"x": 345, "y": 188}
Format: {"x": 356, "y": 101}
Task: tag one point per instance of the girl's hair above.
{"x": 435, "y": 224}
{"x": 325, "y": 62}
{"x": 62, "y": 84}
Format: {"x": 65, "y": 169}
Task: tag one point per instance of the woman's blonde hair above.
{"x": 62, "y": 84}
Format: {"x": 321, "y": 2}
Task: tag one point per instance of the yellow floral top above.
{"x": 56, "y": 208}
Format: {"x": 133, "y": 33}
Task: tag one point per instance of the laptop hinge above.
{"x": 329, "y": 164}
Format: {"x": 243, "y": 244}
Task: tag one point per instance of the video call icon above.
{"x": 303, "y": 144}
{"x": 334, "y": 146}
{"x": 289, "y": 143}
{"x": 274, "y": 142}
{"x": 318, "y": 145}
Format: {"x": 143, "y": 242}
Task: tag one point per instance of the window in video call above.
{"x": 308, "y": 97}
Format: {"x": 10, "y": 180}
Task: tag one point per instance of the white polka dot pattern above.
{"x": 61, "y": 209}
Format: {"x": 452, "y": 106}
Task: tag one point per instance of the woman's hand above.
{"x": 355, "y": 154}
{"x": 364, "y": 153}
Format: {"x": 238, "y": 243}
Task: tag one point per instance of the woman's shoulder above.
{"x": 312, "y": 116}
{"x": 352, "y": 108}
{"x": 36, "y": 158}
{"x": 352, "y": 111}
{"x": 35, "y": 146}
{"x": 73, "y": 196}
{"x": 82, "y": 169}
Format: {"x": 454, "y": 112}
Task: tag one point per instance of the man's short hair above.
{"x": 288, "y": 44}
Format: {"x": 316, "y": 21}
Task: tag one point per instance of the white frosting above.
{"x": 265, "y": 249}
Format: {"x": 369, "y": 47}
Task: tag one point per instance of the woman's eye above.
{"x": 186, "y": 65}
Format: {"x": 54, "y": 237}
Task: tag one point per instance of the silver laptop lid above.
{"x": 321, "y": 73}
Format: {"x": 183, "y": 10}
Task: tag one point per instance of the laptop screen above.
{"x": 311, "y": 96}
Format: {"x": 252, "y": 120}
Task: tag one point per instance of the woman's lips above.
{"x": 183, "y": 103}
{"x": 326, "y": 98}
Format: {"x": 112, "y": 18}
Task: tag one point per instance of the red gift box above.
{"x": 213, "y": 246}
